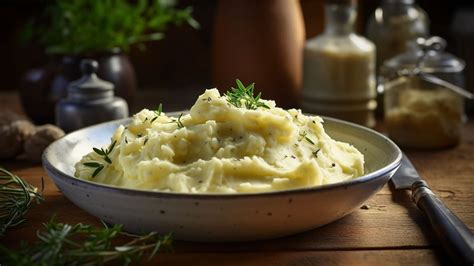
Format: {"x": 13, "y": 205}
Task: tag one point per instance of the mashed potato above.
{"x": 221, "y": 148}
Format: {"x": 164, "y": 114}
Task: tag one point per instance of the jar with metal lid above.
{"x": 424, "y": 95}
{"x": 90, "y": 100}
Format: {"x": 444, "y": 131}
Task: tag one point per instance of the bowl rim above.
{"x": 391, "y": 167}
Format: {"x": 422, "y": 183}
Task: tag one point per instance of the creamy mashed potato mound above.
{"x": 220, "y": 148}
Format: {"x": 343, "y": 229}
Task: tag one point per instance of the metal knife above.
{"x": 455, "y": 236}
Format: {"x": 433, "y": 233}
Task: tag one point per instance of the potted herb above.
{"x": 71, "y": 30}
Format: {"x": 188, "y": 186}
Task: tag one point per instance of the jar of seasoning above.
{"x": 424, "y": 96}
{"x": 90, "y": 100}
{"x": 339, "y": 68}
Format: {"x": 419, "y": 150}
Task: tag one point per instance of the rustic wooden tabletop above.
{"x": 387, "y": 230}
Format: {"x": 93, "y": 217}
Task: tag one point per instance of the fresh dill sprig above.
{"x": 80, "y": 244}
{"x": 304, "y": 136}
{"x": 16, "y": 196}
{"x": 158, "y": 112}
{"x": 243, "y": 96}
{"x": 105, "y": 155}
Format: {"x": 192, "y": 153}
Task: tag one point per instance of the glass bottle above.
{"x": 395, "y": 23}
{"x": 339, "y": 68}
{"x": 424, "y": 96}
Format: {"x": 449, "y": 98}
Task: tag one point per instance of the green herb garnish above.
{"x": 178, "y": 121}
{"x": 315, "y": 153}
{"x": 98, "y": 167}
{"x": 16, "y": 196}
{"x": 80, "y": 244}
{"x": 105, "y": 155}
{"x": 304, "y": 136}
{"x": 242, "y": 96}
{"x": 158, "y": 112}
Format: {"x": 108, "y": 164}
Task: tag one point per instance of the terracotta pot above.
{"x": 259, "y": 41}
{"x": 43, "y": 87}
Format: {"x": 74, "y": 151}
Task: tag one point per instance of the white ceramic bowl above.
{"x": 222, "y": 217}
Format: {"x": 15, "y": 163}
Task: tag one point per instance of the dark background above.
{"x": 182, "y": 59}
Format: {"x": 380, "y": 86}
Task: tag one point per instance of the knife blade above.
{"x": 406, "y": 175}
{"x": 454, "y": 235}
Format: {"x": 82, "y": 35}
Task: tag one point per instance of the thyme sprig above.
{"x": 16, "y": 197}
{"x": 80, "y": 244}
{"x": 105, "y": 155}
{"x": 243, "y": 96}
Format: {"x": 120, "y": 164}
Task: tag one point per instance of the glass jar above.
{"x": 395, "y": 23}
{"x": 339, "y": 68}
{"x": 424, "y": 105}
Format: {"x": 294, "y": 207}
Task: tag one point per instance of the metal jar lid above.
{"x": 90, "y": 86}
{"x": 428, "y": 56}
{"x": 425, "y": 58}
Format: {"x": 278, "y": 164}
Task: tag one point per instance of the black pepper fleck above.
{"x": 333, "y": 165}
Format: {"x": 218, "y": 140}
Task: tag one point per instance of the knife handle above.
{"x": 450, "y": 230}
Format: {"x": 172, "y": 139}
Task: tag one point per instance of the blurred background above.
{"x": 183, "y": 58}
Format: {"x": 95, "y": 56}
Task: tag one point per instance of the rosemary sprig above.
{"x": 98, "y": 167}
{"x": 304, "y": 136}
{"x": 158, "y": 112}
{"x": 80, "y": 244}
{"x": 105, "y": 155}
{"x": 16, "y": 196}
{"x": 244, "y": 95}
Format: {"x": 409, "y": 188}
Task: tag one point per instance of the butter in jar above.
{"x": 423, "y": 115}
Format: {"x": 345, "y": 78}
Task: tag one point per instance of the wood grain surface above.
{"x": 388, "y": 230}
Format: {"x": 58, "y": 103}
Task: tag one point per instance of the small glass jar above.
{"x": 424, "y": 99}
{"x": 395, "y": 23}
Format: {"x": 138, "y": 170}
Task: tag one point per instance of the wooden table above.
{"x": 387, "y": 230}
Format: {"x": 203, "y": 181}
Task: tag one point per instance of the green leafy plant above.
{"x": 91, "y": 26}
{"x": 80, "y": 244}
{"x": 243, "y": 96}
{"x": 16, "y": 197}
